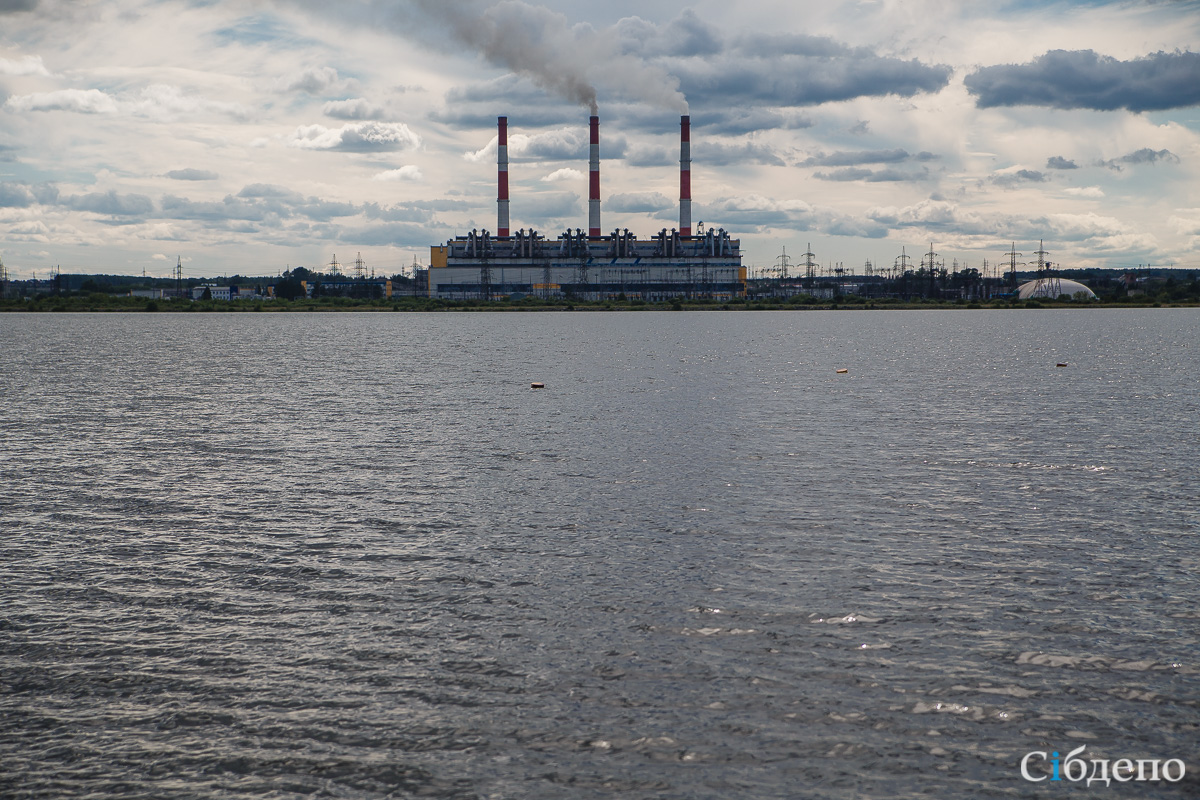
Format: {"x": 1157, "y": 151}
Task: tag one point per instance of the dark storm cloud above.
{"x": 13, "y": 6}
{"x": 790, "y": 44}
{"x": 742, "y": 121}
{"x": 1058, "y": 162}
{"x": 801, "y": 81}
{"x": 716, "y": 70}
{"x": 192, "y": 175}
{"x": 1085, "y": 79}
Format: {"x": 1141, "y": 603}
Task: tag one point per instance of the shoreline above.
{"x": 53, "y": 304}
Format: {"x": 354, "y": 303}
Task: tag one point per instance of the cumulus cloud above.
{"x": 1086, "y": 79}
{"x": 271, "y": 191}
{"x": 1058, "y": 162}
{"x": 889, "y": 175}
{"x": 14, "y": 195}
{"x": 356, "y": 137}
{"x": 111, "y": 204}
{"x": 354, "y": 109}
{"x": 638, "y": 202}
{"x": 1145, "y": 155}
{"x": 26, "y": 65}
{"x": 192, "y": 175}
{"x": 158, "y": 101}
{"x": 564, "y": 174}
{"x": 758, "y": 213}
{"x": 312, "y": 80}
{"x": 82, "y": 101}
{"x": 1018, "y": 176}
{"x": 1085, "y": 191}
{"x": 855, "y": 158}
{"x": 720, "y": 154}
{"x": 409, "y": 172}
{"x": 560, "y": 144}
{"x": 163, "y": 102}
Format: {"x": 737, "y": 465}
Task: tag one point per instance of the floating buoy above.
{"x": 842, "y": 371}
{"x": 1062, "y": 363}
{"x": 537, "y": 386}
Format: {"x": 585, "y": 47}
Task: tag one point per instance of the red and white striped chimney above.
{"x": 685, "y": 176}
{"x": 502, "y": 178}
{"x": 594, "y": 181}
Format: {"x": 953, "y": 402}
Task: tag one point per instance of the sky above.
{"x": 251, "y": 136}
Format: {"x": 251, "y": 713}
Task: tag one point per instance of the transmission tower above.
{"x": 784, "y": 262}
{"x": 1012, "y": 265}
{"x": 810, "y": 266}
{"x": 3, "y": 279}
{"x": 335, "y": 268}
{"x": 1048, "y": 284}
{"x": 902, "y": 264}
{"x": 360, "y": 269}
{"x": 932, "y": 265}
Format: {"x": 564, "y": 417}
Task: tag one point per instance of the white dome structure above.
{"x": 1052, "y": 288}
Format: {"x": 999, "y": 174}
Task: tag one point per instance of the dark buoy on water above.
{"x": 537, "y": 386}
{"x": 1062, "y": 363}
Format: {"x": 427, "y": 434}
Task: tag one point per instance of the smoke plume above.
{"x": 540, "y": 44}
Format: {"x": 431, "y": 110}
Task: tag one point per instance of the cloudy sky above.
{"x": 247, "y": 136}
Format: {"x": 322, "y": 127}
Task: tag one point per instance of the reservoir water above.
{"x": 355, "y": 555}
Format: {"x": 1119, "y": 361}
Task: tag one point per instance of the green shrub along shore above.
{"x": 97, "y": 302}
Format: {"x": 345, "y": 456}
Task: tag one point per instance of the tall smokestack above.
{"x": 502, "y": 178}
{"x": 594, "y": 181}
{"x": 685, "y": 176}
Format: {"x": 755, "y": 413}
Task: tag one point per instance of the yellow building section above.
{"x": 387, "y": 289}
{"x": 437, "y": 256}
{"x": 543, "y": 286}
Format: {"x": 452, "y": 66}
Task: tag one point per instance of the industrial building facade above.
{"x": 588, "y": 265}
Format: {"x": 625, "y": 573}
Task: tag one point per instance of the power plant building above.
{"x": 589, "y": 265}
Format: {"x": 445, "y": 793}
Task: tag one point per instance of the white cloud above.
{"x": 26, "y": 65}
{"x": 162, "y": 102}
{"x": 1085, "y": 191}
{"x": 312, "y": 80}
{"x": 82, "y": 101}
{"x": 408, "y": 172}
{"x": 355, "y": 108}
{"x": 361, "y": 136}
{"x": 564, "y": 174}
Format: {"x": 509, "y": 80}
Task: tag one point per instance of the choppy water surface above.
{"x": 354, "y": 555}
